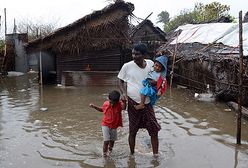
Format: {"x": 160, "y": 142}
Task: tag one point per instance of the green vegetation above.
{"x": 163, "y": 17}
{"x": 1, "y": 45}
{"x": 200, "y": 14}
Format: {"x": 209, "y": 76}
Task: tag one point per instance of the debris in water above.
{"x": 43, "y": 109}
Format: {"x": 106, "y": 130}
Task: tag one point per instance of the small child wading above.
{"x": 112, "y": 119}
{"x": 155, "y": 83}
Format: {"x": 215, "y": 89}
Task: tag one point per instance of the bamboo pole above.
{"x": 173, "y": 64}
{"x": 240, "y": 79}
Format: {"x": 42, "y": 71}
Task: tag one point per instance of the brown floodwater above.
{"x": 53, "y": 126}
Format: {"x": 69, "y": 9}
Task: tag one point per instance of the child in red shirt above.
{"x": 112, "y": 119}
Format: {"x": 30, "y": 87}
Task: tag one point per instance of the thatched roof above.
{"x": 157, "y": 31}
{"x": 98, "y": 30}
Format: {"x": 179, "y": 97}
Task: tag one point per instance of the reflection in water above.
{"x": 68, "y": 133}
{"x": 236, "y": 158}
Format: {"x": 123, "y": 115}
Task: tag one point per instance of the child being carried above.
{"x": 155, "y": 83}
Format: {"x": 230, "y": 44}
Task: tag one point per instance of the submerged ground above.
{"x": 54, "y": 127}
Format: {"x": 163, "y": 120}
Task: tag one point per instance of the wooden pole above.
{"x": 40, "y": 60}
{"x": 148, "y": 16}
{"x": 240, "y": 79}
{"x": 173, "y": 65}
{"x": 14, "y": 29}
{"x": 41, "y": 80}
{"x": 5, "y": 22}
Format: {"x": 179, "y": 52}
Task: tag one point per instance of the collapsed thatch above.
{"x": 148, "y": 32}
{"x": 101, "y": 29}
{"x": 198, "y": 65}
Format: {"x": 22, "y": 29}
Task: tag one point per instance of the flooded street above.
{"x": 54, "y": 127}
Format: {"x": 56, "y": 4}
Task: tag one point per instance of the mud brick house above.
{"x": 85, "y": 51}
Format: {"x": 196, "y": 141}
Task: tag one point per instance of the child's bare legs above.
{"x": 111, "y": 145}
{"x": 108, "y": 145}
{"x": 105, "y": 148}
{"x": 142, "y": 103}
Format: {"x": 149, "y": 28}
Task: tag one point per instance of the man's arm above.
{"x": 123, "y": 89}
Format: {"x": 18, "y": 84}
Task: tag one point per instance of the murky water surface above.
{"x": 54, "y": 127}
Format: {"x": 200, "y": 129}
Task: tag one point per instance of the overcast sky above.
{"x": 67, "y": 11}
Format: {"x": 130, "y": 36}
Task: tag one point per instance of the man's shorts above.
{"x": 109, "y": 134}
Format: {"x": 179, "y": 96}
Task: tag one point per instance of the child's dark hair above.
{"x": 141, "y": 47}
{"x": 114, "y": 96}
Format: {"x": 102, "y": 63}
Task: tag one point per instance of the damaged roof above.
{"x": 98, "y": 30}
{"x": 156, "y": 30}
{"x": 224, "y": 33}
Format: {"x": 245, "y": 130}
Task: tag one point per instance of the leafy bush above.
{"x": 1, "y": 46}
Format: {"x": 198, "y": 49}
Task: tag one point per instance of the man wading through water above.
{"x": 132, "y": 74}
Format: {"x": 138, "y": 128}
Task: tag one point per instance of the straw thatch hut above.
{"x": 96, "y": 42}
{"x": 149, "y": 34}
{"x": 206, "y": 55}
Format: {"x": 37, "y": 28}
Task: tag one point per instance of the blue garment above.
{"x": 150, "y": 91}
